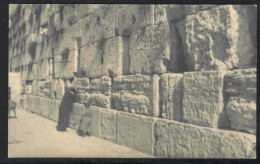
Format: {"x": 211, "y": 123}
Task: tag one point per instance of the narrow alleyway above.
{"x": 34, "y": 136}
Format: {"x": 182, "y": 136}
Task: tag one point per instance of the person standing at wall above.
{"x": 65, "y": 109}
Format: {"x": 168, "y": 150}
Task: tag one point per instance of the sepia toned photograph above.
{"x": 134, "y": 81}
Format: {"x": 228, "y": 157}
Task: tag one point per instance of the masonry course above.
{"x": 174, "y": 81}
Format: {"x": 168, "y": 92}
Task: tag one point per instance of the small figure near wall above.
{"x": 66, "y": 109}
{"x": 11, "y": 104}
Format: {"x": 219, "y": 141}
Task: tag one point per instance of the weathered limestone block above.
{"x": 76, "y": 114}
{"x": 137, "y": 94}
{"x": 241, "y": 106}
{"x": 58, "y": 21}
{"x": 94, "y": 92}
{"x": 115, "y": 57}
{"x": 54, "y": 110}
{"x": 95, "y": 121}
{"x": 44, "y": 106}
{"x": 108, "y": 125}
{"x": 172, "y": 95}
{"x": 44, "y": 14}
{"x": 203, "y": 97}
{"x": 180, "y": 140}
{"x": 241, "y": 82}
{"x": 85, "y": 9}
{"x": 90, "y": 28}
{"x": 35, "y": 88}
{"x": 91, "y": 58}
{"x": 81, "y": 84}
{"x": 98, "y": 25}
{"x": 155, "y": 49}
{"x": 32, "y": 72}
{"x": 65, "y": 42}
{"x": 43, "y": 69}
{"x": 221, "y": 38}
{"x": 136, "y": 132}
{"x": 60, "y": 89}
{"x": 44, "y": 88}
{"x": 242, "y": 114}
{"x": 70, "y": 14}
{"x": 129, "y": 18}
{"x": 107, "y": 21}
{"x": 170, "y": 12}
{"x": 28, "y": 89}
{"x": 75, "y": 30}
{"x": 70, "y": 67}
{"x": 27, "y": 13}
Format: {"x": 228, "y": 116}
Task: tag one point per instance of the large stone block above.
{"x": 98, "y": 25}
{"x": 76, "y": 115}
{"x": 91, "y": 58}
{"x": 65, "y": 41}
{"x": 241, "y": 105}
{"x": 180, "y": 140}
{"x": 115, "y": 58}
{"x": 136, "y": 132}
{"x": 54, "y": 110}
{"x": 60, "y": 89}
{"x": 129, "y": 18}
{"x": 85, "y": 9}
{"x": 155, "y": 49}
{"x": 95, "y": 121}
{"x": 170, "y": 12}
{"x": 137, "y": 94}
{"x": 43, "y": 69}
{"x": 108, "y": 125}
{"x": 219, "y": 38}
{"x": 171, "y": 96}
{"x": 44, "y": 88}
{"x": 28, "y": 89}
{"x": 203, "y": 98}
{"x": 94, "y": 91}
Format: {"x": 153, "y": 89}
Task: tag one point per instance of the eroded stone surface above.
{"x": 155, "y": 49}
{"x": 76, "y": 115}
{"x": 94, "y": 91}
{"x": 108, "y": 125}
{"x": 220, "y": 38}
{"x": 241, "y": 106}
{"x": 137, "y": 93}
{"x": 203, "y": 97}
{"x": 136, "y": 132}
{"x": 172, "y": 95}
{"x": 179, "y": 140}
{"x": 91, "y": 57}
{"x": 115, "y": 59}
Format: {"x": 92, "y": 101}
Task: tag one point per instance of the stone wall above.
{"x": 169, "y": 80}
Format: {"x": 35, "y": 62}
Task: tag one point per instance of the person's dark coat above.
{"x": 65, "y": 109}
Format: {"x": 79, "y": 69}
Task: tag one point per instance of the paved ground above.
{"x": 33, "y": 136}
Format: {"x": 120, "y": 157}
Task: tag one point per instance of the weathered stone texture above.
{"x": 137, "y": 94}
{"x": 136, "y": 132}
{"x": 155, "y": 49}
{"x": 115, "y": 58}
{"x": 91, "y": 58}
{"x": 241, "y": 106}
{"x": 76, "y": 115}
{"x": 108, "y": 125}
{"x": 130, "y": 18}
{"x": 43, "y": 69}
{"x": 171, "y": 96}
{"x": 28, "y": 89}
{"x": 203, "y": 97}
{"x": 94, "y": 91}
{"x": 179, "y": 140}
{"x": 57, "y": 89}
{"x": 44, "y": 88}
{"x": 54, "y": 109}
{"x": 221, "y": 38}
